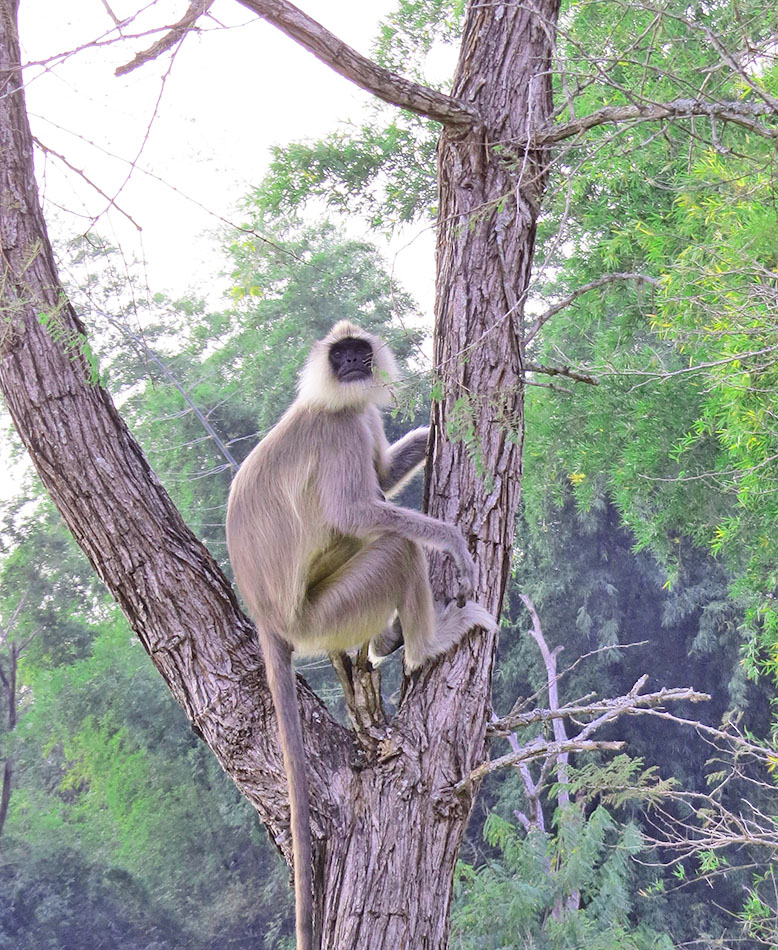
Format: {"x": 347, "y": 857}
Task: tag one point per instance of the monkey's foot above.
{"x": 452, "y": 623}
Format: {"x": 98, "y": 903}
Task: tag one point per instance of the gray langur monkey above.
{"x": 324, "y": 561}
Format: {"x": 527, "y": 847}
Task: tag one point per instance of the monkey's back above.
{"x": 277, "y": 525}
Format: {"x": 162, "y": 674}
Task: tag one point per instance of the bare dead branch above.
{"x": 740, "y": 113}
{"x": 533, "y": 788}
{"x": 630, "y": 704}
{"x": 539, "y": 748}
{"x": 604, "y": 711}
{"x": 359, "y": 69}
{"x": 174, "y": 35}
{"x": 719, "y": 827}
{"x": 549, "y": 661}
{"x": 111, "y": 14}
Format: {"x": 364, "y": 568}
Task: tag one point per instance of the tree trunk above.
{"x": 386, "y": 823}
{"x": 5, "y": 794}
{"x": 8, "y": 678}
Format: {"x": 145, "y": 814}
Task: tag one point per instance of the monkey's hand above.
{"x": 465, "y": 576}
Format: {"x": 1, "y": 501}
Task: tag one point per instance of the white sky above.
{"x": 230, "y": 95}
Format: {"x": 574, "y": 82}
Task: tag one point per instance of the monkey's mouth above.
{"x": 354, "y": 375}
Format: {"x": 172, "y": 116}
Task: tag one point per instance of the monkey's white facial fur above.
{"x": 349, "y": 368}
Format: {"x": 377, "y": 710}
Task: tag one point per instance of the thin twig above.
{"x": 592, "y": 285}
{"x": 111, "y": 201}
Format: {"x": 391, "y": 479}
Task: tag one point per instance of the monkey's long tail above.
{"x": 283, "y": 689}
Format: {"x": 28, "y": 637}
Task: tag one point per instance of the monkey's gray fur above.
{"x": 324, "y": 561}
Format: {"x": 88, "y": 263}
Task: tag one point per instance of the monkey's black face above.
{"x": 351, "y": 360}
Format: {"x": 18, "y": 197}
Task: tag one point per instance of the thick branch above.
{"x": 173, "y": 36}
{"x": 359, "y": 69}
{"x": 741, "y": 113}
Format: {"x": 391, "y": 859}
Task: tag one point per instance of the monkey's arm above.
{"x": 403, "y": 459}
{"x": 364, "y": 517}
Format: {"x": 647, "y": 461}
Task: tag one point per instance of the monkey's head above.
{"x": 348, "y": 368}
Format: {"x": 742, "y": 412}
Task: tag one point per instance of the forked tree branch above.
{"x": 336, "y": 54}
{"x": 436, "y": 105}
{"x": 176, "y": 33}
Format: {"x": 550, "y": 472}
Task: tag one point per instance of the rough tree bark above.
{"x": 386, "y": 821}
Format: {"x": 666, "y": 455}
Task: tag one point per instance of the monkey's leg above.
{"x": 452, "y": 623}
{"x": 390, "y": 573}
{"x": 386, "y": 642}
{"x": 356, "y": 603}
{"x": 424, "y": 640}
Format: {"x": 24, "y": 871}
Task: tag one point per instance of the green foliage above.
{"x": 54, "y": 899}
{"x": 678, "y": 430}
{"x": 595, "y": 595}
{"x": 411, "y": 31}
{"x": 73, "y": 342}
{"x": 760, "y": 910}
{"x": 111, "y": 778}
{"x": 40, "y": 563}
{"x": 386, "y": 173}
{"x": 615, "y": 782}
{"x": 563, "y": 891}
{"x": 461, "y": 428}
{"x": 384, "y": 169}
